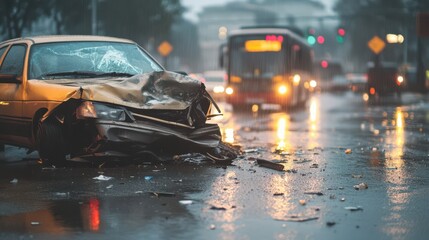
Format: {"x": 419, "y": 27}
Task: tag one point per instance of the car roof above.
{"x": 68, "y": 38}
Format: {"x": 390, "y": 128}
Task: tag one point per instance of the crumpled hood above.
{"x": 157, "y": 90}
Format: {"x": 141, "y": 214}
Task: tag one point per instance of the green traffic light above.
{"x": 340, "y": 39}
{"x": 311, "y": 40}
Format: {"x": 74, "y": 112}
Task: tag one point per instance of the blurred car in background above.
{"x": 215, "y": 82}
{"x": 357, "y": 81}
{"x": 330, "y": 75}
{"x": 384, "y": 80}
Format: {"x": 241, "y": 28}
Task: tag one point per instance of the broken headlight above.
{"x": 101, "y": 111}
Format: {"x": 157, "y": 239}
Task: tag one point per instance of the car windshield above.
{"x": 88, "y": 59}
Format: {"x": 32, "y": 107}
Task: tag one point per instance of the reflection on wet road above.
{"x": 327, "y": 148}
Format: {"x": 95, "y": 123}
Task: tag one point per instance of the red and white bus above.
{"x": 267, "y": 65}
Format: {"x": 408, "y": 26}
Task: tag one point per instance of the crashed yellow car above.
{"x": 81, "y": 96}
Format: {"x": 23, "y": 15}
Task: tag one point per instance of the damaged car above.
{"x": 92, "y": 96}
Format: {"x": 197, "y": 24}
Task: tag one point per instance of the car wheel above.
{"x": 50, "y": 142}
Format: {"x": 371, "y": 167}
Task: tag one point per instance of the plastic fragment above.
{"x": 185, "y": 202}
{"x": 102, "y": 178}
{"x": 148, "y": 178}
{"x": 269, "y": 164}
{"x": 110, "y": 186}
{"x": 361, "y": 186}
{"x": 348, "y": 151}
{"x": 353, "y": 209}
{"x": 163, "y": 194}
{"x": 217, "y": 208}
{"x": 314, "y": 193}
{"x": 302, "y": 202}
{"x": 330, "y": 224}
{"x": 14, "y": 181}
{"x": 212, "y": 227}
{"x": 35, "y": 223}
{"x": 297, "y": 219}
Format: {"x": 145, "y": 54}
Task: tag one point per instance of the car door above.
{"x": 12, "y": 128}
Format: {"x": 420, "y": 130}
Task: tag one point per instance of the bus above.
{"x": 267, "y": 65}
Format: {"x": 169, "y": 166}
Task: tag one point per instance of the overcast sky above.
{"x": 195, "y": 6}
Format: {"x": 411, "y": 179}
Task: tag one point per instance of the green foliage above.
{"x": 368, "y": 18}
{"x": 139, "y": 20}
{"x": 18, "y": 15}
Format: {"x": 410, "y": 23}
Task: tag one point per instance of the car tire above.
{"x": 50, "y": 142}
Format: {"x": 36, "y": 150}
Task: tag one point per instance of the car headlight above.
{"x": 100, "y": 111}
{"x": 229, "y": 90}
{"x": 282, "y": 89}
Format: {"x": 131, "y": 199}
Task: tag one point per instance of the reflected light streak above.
{"x": 94, "y": 214}
{"x": 313, "y": 123}
{"x": 229, "y": 135}
{"x": 397, "y": 176}
{"x": 279, "y": 206}
{"x": 224, "y": 194}
{"x": 282, "y": 122}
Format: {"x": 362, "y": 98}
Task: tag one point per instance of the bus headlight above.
{"x": 282, "y": 89}
{"x": 229, "y": 90}
{"x": 218, "y": 89}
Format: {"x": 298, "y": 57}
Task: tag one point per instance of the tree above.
{"x": 139, "y": 20}
{"x": 365, "y": 19}
{"x": 19, "y": 15}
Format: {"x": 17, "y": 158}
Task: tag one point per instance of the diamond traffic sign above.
{"x": 165, "y": 48}
{"x": 376, "y": 44}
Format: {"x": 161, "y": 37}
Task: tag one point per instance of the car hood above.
{"x": 156, "y": 90}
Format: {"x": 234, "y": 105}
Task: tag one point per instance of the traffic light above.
{"x": 341, "y": 33}
{"x": 320, "y": 39}
{"x": 311, "y": 39}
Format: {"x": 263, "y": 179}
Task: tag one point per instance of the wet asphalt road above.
{"x": 326, "y": 148}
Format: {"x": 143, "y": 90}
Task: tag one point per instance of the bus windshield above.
{"x": 253, "y": 57}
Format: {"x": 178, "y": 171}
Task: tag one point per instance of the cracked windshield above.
{"x": 228, "y": 119}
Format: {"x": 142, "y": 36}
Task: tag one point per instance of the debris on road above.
{"x": 348, "y": 151}
{"x": 163, "y": 194}
{"x": 148, "y": 178}
{"x": 302, "y": 202}
{"x": 14, "y": 181}
{"x": 102, "y": 178}
{"x": 212, "y": 227}
{"x": 330, "y": 224}
{"x": 278, "y": 194}
{"x": 269, "y": 164}
{"x": 361, "y": 186}
{"x": 353, "y": 209}
{"x": 356, "y": 176}
{"x": 35, "y": 223}
{"x": 314, "y": 193}
{"x": 296, "y": 219}
{"x": 110, "y": 186}
{"x": 217, "y": 208}
{"x": 185, "y": 202}
{"x": 342, "y": 199}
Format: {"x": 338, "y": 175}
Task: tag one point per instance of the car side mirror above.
{"x": 10, "y": 78}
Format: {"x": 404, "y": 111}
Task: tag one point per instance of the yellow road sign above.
{"x": 376, "y": 44}
{"x": 165, "y": 48}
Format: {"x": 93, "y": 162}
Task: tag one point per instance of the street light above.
{"x": 395, "y": 38}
